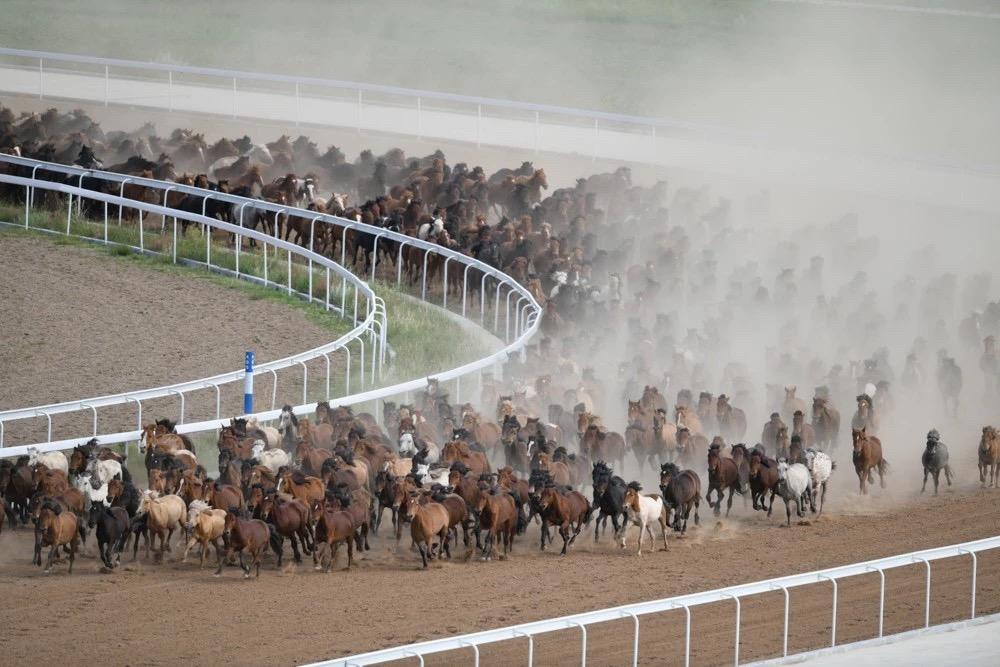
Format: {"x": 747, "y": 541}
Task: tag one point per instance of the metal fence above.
{"x": 517, "y": 324}
{"x": 527, "y": 632}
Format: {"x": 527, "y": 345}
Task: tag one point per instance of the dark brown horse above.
{"x": 763, "y": 478}
{"x": 244, "y": 536}
{"x": 726, "y": 473}
{"x": 826, "y": 423}
{"x": 868, "y": 457}
{"x": 291, "y": 519}
{"x": 681, "y": 491}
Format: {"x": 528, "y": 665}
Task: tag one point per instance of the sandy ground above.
{"x": 80, "y": 323}
{"x": 295, "y": 614}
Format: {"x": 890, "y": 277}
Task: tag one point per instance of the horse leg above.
{"x": 72, "y": 555}
{"x": 423, "y": 553}
{"x": 544, "y": 532}
{"x": 564, "y": 534}
{"x": 244, "y": 566}
{"x": 729, "y": 501}
{"x": 190, "y": 543}
{"x": 924, "y": 487}
{"x": 295, "y": 548}
{"x": 947, "y": 474}
{"x": 881, "y": 473}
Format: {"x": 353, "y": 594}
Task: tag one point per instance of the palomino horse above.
{"x": 164, "y": 515}
{"x": 681, "y": 491}
{"x": 989, "y": 456}
{"x": 867, "y": 457}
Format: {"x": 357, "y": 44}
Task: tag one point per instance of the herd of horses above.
{"x": 609, "y": 262}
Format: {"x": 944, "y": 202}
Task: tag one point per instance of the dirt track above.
{"x": 79, "y": 323}
{"x": 297, "y": 615}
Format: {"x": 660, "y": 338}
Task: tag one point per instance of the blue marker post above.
{"x": 248, "y": 385}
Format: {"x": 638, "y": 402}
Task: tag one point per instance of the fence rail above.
{"x": 519, "y": 323}
{"x": 732, "y": 594}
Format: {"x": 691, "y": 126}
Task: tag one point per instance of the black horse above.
{"x": 609, "y": 497}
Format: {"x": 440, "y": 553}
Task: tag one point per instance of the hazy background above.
{"x": 915, "y": 83}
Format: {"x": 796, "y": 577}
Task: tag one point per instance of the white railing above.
{"x": 519, "y": 322}
{"x": 732, "y": 594}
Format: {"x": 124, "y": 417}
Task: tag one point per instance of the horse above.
{"x": 609, "y": 498}
{"x": 934, "y": 460}
{"x": 427, "y": 521}
{"x": 989, "y": 456}
{"x": 205, "y": 526}
{"x": 57, "y": 528}
{"x": 664, "y": 437}
{"x": 498, "y": 517}
{"x": 456, "y": 450}
{"x": 310, "y": 490}
{"x": 291, "y": 519}
{"x": 333, "y": 528}
{"x": 825, "y": 422}
{"x": 949, "y": 380}
{"x": 569, "y": 510}
{"x": 51, "y": 460}
{"x": 791, "y": 403}
{"x": 763, "y": 478}
{"x": 686, "y": 417}
{"x": 689, "y": 444}
{"x": 112, "y": 525}
{"x": 794, "y": 484}
{"x": 639, "y": 432}
{"x": 164, "y": 516}
{"x": 724, "y": 473}
{"x": 244, "y": 536}
{"x": 732, "y": 421}
{"x": 865, "y": 417}
{"x": 806, "y": 433}
{"x": 868, "y": 457}
{"x": 458, "y": 511}
{"x": 642, "y": 511}
{"x": 681, "y": 491}
{"x": 223, "y": 496}
{"x": 820, "y": 466}
{"x": 603, "y": 445}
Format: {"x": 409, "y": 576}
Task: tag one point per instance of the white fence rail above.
{"x": 733, "y": 594}
{"x": 520, "y": 318}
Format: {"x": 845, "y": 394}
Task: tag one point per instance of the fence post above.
{"x": 41, "y": 85}
{"x": 833, "y": 628}
{"x": 975, "y": 566}
{"x": 248, "y": 383}
{"x": 479, "y": 125}
{"x": 298, "y": 106}
{"x": 927, "y": 592}
{"x": 531, "y": 646}
{"x": 583, "y": 641}
{"x": 536, "y": 133}
{"x": 881, "y": 597}
{"x": 170, "y": 91}
{"x": 358, "y": 123}
{"x": 107, "y": 85}
{"x": 597, "y": 132}
{"x": 234, "y": 97}
{"x": 419, "y": 120}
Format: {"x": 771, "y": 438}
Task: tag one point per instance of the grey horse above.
{"x": 935, "y": 459}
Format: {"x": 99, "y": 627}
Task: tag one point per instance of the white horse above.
{"x": 430, "y": 229}
{"x": 272, "y": 459}
{"x": 643, "y": 511}
{"x": 794, "y": 485}
{"x": 51, "y": 460}
{"x": 271, "y": 434}
{"x": 821, "y": 467}
{"x": 429, "y": 478}
{"x": 94, "y": 494}
{"x": 105, "y": 471}
{"x": 408, "y": 448}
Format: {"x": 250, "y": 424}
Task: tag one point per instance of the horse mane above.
{"x": 298, "y": 477}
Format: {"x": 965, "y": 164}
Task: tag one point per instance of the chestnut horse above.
{"x": 333, "y": 528}
{"x": 497, "y": 516}
{"x": 569, "y": 510}
{"x": 427, "y": 521}
{"x": 989, "y": 456}
{"x": 724, "y": 473}
{"x": 57, "y": 528}
{"x": 867, "y": 457}
{"x": 291, "y": 519}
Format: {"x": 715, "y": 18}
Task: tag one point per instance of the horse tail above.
{"x": 588, "y": 514}
{"x": 884, "y": 467}
{"x": 274, "y": 539}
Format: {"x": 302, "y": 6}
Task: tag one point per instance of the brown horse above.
{"x": 732, "y": 421}
{"x": 244, "y": 536}
{"x": 681, "y": 491}
{"x": 867, "y": 457}
{"x": 497, "y": 516}
{"x": 236, "y": 446}
{"x": 57, "y": 528}
{"x": 311, "y": 458}
{"x": 291, "y": 519}
{"x": 690, "y": 446}
{"x": 806, "y": 433}
{"x": 223, "y": 496}
{"x": 639, "y": 434}
{"x": 456, "y": 450}
{"x": 763, "y": 478}
{"x": 568, "y": 510}
{"x": 428, "y": 521}
{"x": 826, "y": 423}
{"x": 333, "y": 528}
{"x": 865, "y": 418}
{"x": 724, "y": 473}
{"x": 601, "y": 445}
{"x": 685, "y": 416}
{"x": 989, "y": 456}
{"x": 310, "y": 490}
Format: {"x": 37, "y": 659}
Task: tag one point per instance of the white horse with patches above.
{"x": 821, "y": 468}
{"x": 429, "y": 478}
{"x": 105, "y": 471}
{"x": 794, "y": 485}
{"x": 430, "y": 229}
{"x": 643, "y": 511}
{"x": 51, "y": 460}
